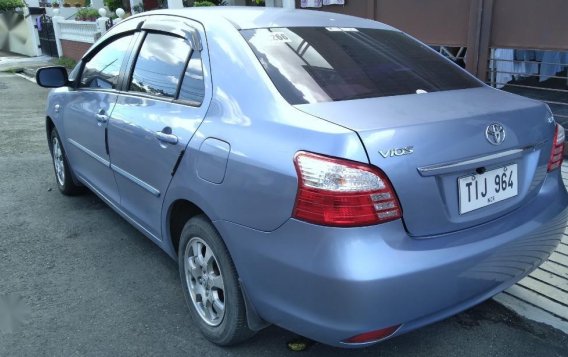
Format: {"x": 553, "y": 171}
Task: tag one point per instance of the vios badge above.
{"x": 495, "y": 134}
{"x": 397, "y": 152}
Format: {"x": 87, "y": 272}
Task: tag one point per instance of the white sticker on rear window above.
{"x": 342, "y": 29}
{"x": 278, "y": 37}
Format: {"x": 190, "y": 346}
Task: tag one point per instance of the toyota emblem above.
{"x": 495, "y": 134}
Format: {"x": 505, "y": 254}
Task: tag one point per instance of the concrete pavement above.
{"x": 12, "y": 62}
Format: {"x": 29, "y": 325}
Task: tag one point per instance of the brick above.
{"x": 74, "y": 49}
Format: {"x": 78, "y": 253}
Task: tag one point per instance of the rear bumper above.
{"x": 330, "y": 284}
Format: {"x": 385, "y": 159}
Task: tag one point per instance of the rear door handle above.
{"x": 101, "y": 116}
{"x": 167, "y": 138}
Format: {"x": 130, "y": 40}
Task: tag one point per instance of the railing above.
{"x": 537, "y": 74}
{"x": 82, "y": 31}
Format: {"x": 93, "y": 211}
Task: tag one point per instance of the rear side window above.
{"x": 103, "y": 69}
{"x": 317, "y": 64}
{"x": 193, "y": 87}
{"x": 160, "y": 65}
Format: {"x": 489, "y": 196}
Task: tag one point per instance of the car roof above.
{"x": 251, "y": 17}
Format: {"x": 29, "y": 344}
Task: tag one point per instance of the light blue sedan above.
{"x": 324, "y": 173}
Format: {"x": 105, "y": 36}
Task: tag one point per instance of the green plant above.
{"x": 8, "y": 5}
{"x": 113, "y": 4}
{"x": 87, "y": 14}
{"x": 203, "y": 3}
{"x": 65, "y": 62}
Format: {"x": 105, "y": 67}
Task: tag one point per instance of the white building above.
{"x": 176, "y": 4}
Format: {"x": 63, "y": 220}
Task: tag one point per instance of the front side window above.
{"x": 319, "y": 64}
{"x": 160, "y": 65}
{"x": 103, "y": 69}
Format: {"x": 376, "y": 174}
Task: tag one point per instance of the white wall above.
{"x": 281, "y": 3}
{"x": 290, "y": 4}
{"x": 22, "y": 37}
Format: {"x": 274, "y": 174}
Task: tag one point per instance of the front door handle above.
{"x": 167, "y": 137}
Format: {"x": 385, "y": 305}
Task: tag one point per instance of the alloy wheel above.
{"x": 204, "y": 281}
{"x": 58, "y": 161}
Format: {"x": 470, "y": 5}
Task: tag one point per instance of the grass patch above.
{"x": 13, "y": 70}
{"x": 65, "y": 62}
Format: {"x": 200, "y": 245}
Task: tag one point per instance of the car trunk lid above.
{"x": 426, "y": 143}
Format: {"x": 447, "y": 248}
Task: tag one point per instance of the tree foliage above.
{"x": 203, "y": 3}
{"x": 8, "y": 5}
{"x": 113, "y": 4}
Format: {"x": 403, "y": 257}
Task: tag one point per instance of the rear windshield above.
{"x": 318, "y": 64}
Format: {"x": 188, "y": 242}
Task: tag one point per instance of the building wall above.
{"x": 18, "y": 34}
{"x": 74, "y": 49}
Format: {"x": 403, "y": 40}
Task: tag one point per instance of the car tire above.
{"x": 211, "y": 285}
{"x": 61, "y": 167}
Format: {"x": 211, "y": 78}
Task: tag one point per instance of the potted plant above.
{"x": 77, "y": 4}
{"x": 93, "y": 14}
{"x": 55, "y": 4}
{"x": 79, "y": 15}
{"x": 66, "y": 4}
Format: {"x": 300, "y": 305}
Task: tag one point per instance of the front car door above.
{"x": 162, "y": 105}
{"x": 85, "y": 116}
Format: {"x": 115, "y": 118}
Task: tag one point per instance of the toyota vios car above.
{"x": 324, "y": 173}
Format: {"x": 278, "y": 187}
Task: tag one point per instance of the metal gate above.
{"x": 47, "y": 36}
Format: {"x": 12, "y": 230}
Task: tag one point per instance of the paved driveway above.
{"x": 93, "y": 285}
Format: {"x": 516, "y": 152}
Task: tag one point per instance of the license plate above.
{"x": 481, "y": 190}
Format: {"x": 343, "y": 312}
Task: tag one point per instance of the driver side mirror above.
{"x": 52, "y": 77}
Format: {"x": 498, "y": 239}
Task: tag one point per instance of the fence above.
{"x": 74, "y": 38}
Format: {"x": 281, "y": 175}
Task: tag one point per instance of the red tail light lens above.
{"x": 557, "y": 154}
{"x": 373, "y": 336}
{"x": 342, "y": 193}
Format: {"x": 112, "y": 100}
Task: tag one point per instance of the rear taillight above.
{"x": 342, "y": 193}
{"x": 557, "y": 154}
{"x": 372, "y": 336}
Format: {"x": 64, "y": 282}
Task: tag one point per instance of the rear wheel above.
{"x": 61, "y": 166}
{"x": 210, "y": 284}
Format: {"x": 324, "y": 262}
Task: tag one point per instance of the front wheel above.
{"x": 61, "y": 166}
{"x": 210, "y": 284}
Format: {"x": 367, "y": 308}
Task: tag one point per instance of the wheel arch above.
{"x": 179, "y": 212}
{"x": 49, "y": 125}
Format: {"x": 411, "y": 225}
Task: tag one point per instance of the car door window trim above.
{"x": 99, "y": 48}
{"x": 182, "y": 74}
{"x": 191, "y": 35}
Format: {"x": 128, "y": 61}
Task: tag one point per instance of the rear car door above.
{"x": 85, "y": 116}
{"x": 162, "y": 105}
